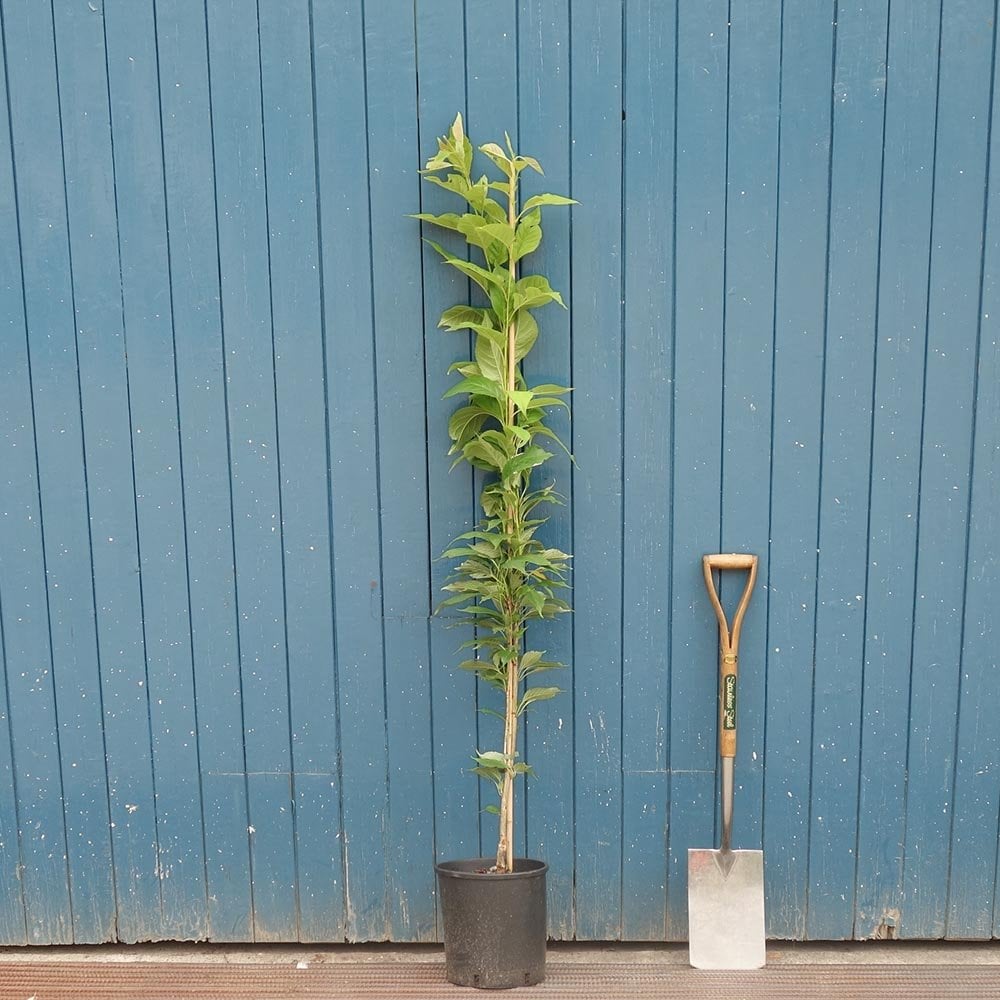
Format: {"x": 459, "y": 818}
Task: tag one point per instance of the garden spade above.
{"x": 726, "y": 887}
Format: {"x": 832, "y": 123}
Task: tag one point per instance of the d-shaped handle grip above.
{"x": 733, "y": 560}
{"x": 729, "y": 641}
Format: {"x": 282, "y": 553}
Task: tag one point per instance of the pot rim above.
{"x": 450, "y": 869}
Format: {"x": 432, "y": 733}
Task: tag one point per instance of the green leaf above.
{"x": 491, "y": 759}
{"x": 547, "y": 199}
{"x": 471, "y": 225}
{"x": 458, "y": 552}
{"x": 478, "y": 667}
{"x": 478, "y": 196}
{"x": 548, "y": 389}
{"x": 527, "y": 334}
{"x": 530, "y": 658}
{"x": 522, "y": 398}
{"x": 532, "y": 663}
{"x": 490, "y": 356}
{"x": 533, "y": 599}
{"x": 455, "y": 183}
{"x": 534, "y": 290}
{"x": 492, "y": 149}
{"x": 490, "y": 774}
{"x": 503, "y": 232}
{"x": 492, "y": 210}
{"x": 526, "y": 240}
{"x": 498, "y": 156}
{"x": 491, "y": 537}
{"x": 449, "y": 220}
{"x": 528, "y": 161}
{"x": 462, "y": 317}
{"x": 536, "y": 694}
{"x": 495, "y": 810}
{"x": 485, "y": 279}
{"x": 530, "y": 458}
{"x": 482, "y": 453}
{"x": 541, "y": 402}
{"x": 476, "y": 385}
{"x": 465, "y": 419}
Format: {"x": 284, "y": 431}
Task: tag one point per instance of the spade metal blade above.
{"x": 726, "y": 909}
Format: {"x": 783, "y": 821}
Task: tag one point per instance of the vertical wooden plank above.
{"x": 596, "y": 311}
{"x": 123, "y": 745}
{"x": 22, "y": 579}
{"x": 14, "y": 416}
{"x": 12, "y": 926}
{"x": 241, "y": 191}
{"x": 973, "y": 869}
{"x": 148, "y": 317}
{"x": 194, "y": 277}
{"x": 967, "y": 38}
{"x": 492, "y": 101}
{"x": 700, "y": 205}
{"x": 350, "y": 373}
{"x": 650, "y": 54}
{"x": 855, "y": 195}
{"x": 544, "y": 132}
{"x": 394, "y": 187}
{"x": 287, "y": 85}
{"x": 751, "y": 217}
{"x": 807, "y": 59}
{"x": 48, "y": 598}
{"x": 119, "y": 699}
{"x": 895, "y": 445}
{"x": 452, "y": 504}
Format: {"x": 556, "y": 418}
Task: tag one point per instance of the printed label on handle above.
{"x": 729, "y": 701}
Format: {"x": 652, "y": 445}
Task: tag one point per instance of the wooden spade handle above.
{"x": 729, "y": 641}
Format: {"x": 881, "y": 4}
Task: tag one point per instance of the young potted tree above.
{"x": 506, "y": 577}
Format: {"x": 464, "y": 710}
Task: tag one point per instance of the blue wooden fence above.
{"x": 228, "y": 713}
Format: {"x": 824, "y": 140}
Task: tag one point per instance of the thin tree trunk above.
{"x": 505, "y": 847}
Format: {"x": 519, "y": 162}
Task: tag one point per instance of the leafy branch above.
{"x": 506, "y": 576}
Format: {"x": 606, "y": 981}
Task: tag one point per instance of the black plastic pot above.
{"x": 494, "y": 925}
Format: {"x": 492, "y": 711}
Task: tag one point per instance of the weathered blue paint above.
{"x": 973, "y": 870}
{"x": 406, "y": 600}
{"x": 544, "y": 95}
{"x": 751, "y": 231}
{"x": 247, "y": 329}
{"x": 696, "y": 432}
{"x": 147, "y": 312}
{"x": 799, "y": 332}
{"x": 227, "y": 711}
{"x": 648, "y": 352}
{"x": 298, "y": 306}
{"x": 194, "y": 276}
{"x": 440, "y": 42}
{"x": 596, "y": 304}
{"x": 852, "y": 268}
{"x": 964, "y": 97}
{"x": 49, "y": 618}
{"x": 341, "y": 125}
{"x": 104, "y": 395}
{"x": 907, "y": 187}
